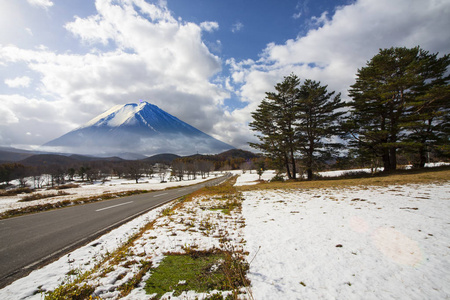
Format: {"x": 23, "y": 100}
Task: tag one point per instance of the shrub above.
{"x": 38, "y": 196}
{"x": 17, "y": 191}
{"x": 67, "y": 186}
{"x": 277, "y": 177}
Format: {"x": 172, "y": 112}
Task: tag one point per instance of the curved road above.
{"x": 30, "y": 241}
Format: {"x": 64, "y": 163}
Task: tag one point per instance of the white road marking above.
{"x": 160, "y": 195}
{"x": 114, "y": 206}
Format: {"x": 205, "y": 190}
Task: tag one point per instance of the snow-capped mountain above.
{"x": 136, "y": 128}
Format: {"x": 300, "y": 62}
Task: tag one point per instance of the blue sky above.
{"x": 248, "y": 26}
{"x": 209, "y": 63}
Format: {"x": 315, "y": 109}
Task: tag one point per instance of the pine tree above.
{"x": 274, "y": 119}
{"x": 297, "y": 120}
{"x": 394, "y": 102}
{"x": 428, "y": 115}
{"x": 317, "y": 121}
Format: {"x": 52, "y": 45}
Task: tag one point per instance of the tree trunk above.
{"x": 309, "y": 164}
{"x": 293, "y": 165}
{"x": 386, "y": 161}
{"x": 422, "y": 157}
{"x": 393, "y": 158}
{"x": 288, "y": 171}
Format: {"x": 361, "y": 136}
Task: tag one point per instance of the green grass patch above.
{"x": 228, "y": 206}
{"x": 200, "y": 271}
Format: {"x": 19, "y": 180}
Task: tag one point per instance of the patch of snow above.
{"x": 353, "y": 243}
{"x": 248, "y": 178}
{"x": 103, "y": 116}
{"x": 343, "y": 172}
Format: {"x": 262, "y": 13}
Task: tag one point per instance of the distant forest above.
{"x": 51, "y": 169}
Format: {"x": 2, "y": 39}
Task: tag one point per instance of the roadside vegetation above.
{"x": 38, "y": 196}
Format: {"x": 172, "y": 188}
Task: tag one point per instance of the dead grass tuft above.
{"x": 38, "y": 196}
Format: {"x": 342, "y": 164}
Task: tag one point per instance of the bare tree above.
{"x": 135, "y": 170}
{"x": 162, "y": 172}
{"x": 38, "y": 177}
{"x": 178, "y": 168}
{"x": 247, "y": 166}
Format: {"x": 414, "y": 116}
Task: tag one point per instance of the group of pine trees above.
{"x": 400, "y": 101}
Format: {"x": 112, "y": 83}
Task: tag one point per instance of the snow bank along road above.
{"x": 30, "y": 241}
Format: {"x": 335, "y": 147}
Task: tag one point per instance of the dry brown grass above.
{"x": 435, "y": 175}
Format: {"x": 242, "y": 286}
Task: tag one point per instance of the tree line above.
{"x": 57, "y": 174}
{"x": 52, "y": 174}
{"x": 399, "y": 104}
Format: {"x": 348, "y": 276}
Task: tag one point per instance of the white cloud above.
{"x": 302, "y": 8}
{"x": 8, "y": 117}
{"x": 322, "y": 20}
{"x": 209, "y": 26}
{"x": 39, "y": 116}
{"x": 29, "y": 31}
{"x": 297, "y": 15}
{"x": 41, "y": 3}
{"x": 23, "y": 81}
{"x": 237, "y": 27}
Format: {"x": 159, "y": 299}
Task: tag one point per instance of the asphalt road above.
{"x": 31, "y": 241}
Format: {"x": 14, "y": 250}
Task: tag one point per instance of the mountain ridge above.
{"x": 138, "y": 128}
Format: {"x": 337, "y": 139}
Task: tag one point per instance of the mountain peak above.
{"x": 141, "y": 128}
{"x": 120, "y": 114}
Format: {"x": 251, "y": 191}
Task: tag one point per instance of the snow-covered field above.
{"x": 389, "y": 242}
{"x": 99, "y": 188}
{"x": 354, "y": 243}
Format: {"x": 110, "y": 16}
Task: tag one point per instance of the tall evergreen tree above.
{"x": 427, "y": 116}
{"x": 274, "y": 119}
{"x": 391, "y": 92}
{"x": 317, "y": 121}
{"x": 297, "y": 120}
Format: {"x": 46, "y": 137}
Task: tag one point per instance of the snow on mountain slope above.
{"x": 115, "y": 116}
{"x": 139, "y": 128}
